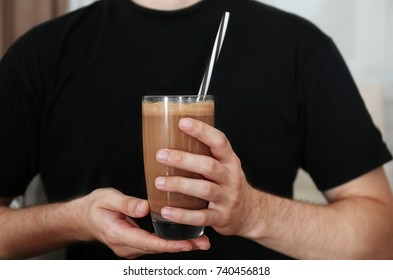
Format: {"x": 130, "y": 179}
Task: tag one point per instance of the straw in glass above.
{"x": 215, "y": 53}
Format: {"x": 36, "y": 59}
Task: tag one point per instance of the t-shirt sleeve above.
{"x": 340, "y": 139}
{"x": 19, "y": 122}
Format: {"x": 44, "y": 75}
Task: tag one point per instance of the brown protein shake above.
{"x": 160, "y": 125}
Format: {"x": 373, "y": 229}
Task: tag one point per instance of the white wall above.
{"x": 75, "y": 4}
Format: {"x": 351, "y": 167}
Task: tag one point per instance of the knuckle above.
{"x": 221, "y": 140}
{"x": 180, "y": 216}
{"x": 225, "y": 220}
{"x": 103, "y": 191}
{"x": 237, "y": 181}
{"x": 97, "y": 192}
{"x": 202, "y": 219}
{"x": 210, "y": 165}
{"x": 111, "y": 236}
{"x": 208, "y": 189}
{"x": 174, "y": 182}
{"x": 234, "y": 201}
{"x": 238, "y": 163}
{"x": 178, "y": 157}
{"x": 200, "y": 129}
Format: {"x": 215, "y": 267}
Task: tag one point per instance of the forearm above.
{"x": 31, "y": 231}
{"x": 342, "y": 230}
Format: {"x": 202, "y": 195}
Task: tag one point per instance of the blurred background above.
{"x": 362, "y": 30}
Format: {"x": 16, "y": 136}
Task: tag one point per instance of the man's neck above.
{"x": 166, "y": 5}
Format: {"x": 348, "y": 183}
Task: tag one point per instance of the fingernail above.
{"x": 186, "y": 123}
{"x": 165, "y": 212}
{"x": 160, "y": 181}
{"x": 141, "y": 207}
{"x": 162, "y": 155}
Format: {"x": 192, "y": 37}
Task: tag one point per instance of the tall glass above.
{"x": 160, "y": 125}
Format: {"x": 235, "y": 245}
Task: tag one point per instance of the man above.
{"x": 70, "y": 93}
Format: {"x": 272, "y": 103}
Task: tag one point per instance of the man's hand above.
{"x": 356, "y": 224}
{"x": 231, "y": 198}
{"x": 106, "y": 215}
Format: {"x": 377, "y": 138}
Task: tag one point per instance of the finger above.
{"x": 209, "y": 167}
{"x": 205, "y": 217}
{"x": 129, "y": 253}
{"x": 212, "y": 137}
{"x": 150, "y": 243}
{"x": 202, "y": 189}
{"x": 131, "y": 206}
{"x": 201, "y": 243}
{"x": 122, "y": 233}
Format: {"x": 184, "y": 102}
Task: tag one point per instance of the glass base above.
{"x": 173, "y": 231}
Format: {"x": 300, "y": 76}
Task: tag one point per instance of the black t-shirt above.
{"x": 70, "y": 103}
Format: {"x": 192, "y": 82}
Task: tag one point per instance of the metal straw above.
{"x": 215, "y": 53}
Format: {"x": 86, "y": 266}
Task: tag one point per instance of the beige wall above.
{"x": 18, "y": 16}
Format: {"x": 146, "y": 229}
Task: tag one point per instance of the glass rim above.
{"x": 177, "y": 96}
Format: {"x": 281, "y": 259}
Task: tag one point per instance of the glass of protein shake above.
{"x": 160, "y": 126}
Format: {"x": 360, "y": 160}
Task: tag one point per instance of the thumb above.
{"x": 135, "y": 207}
{"x": 128, "y": 205}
